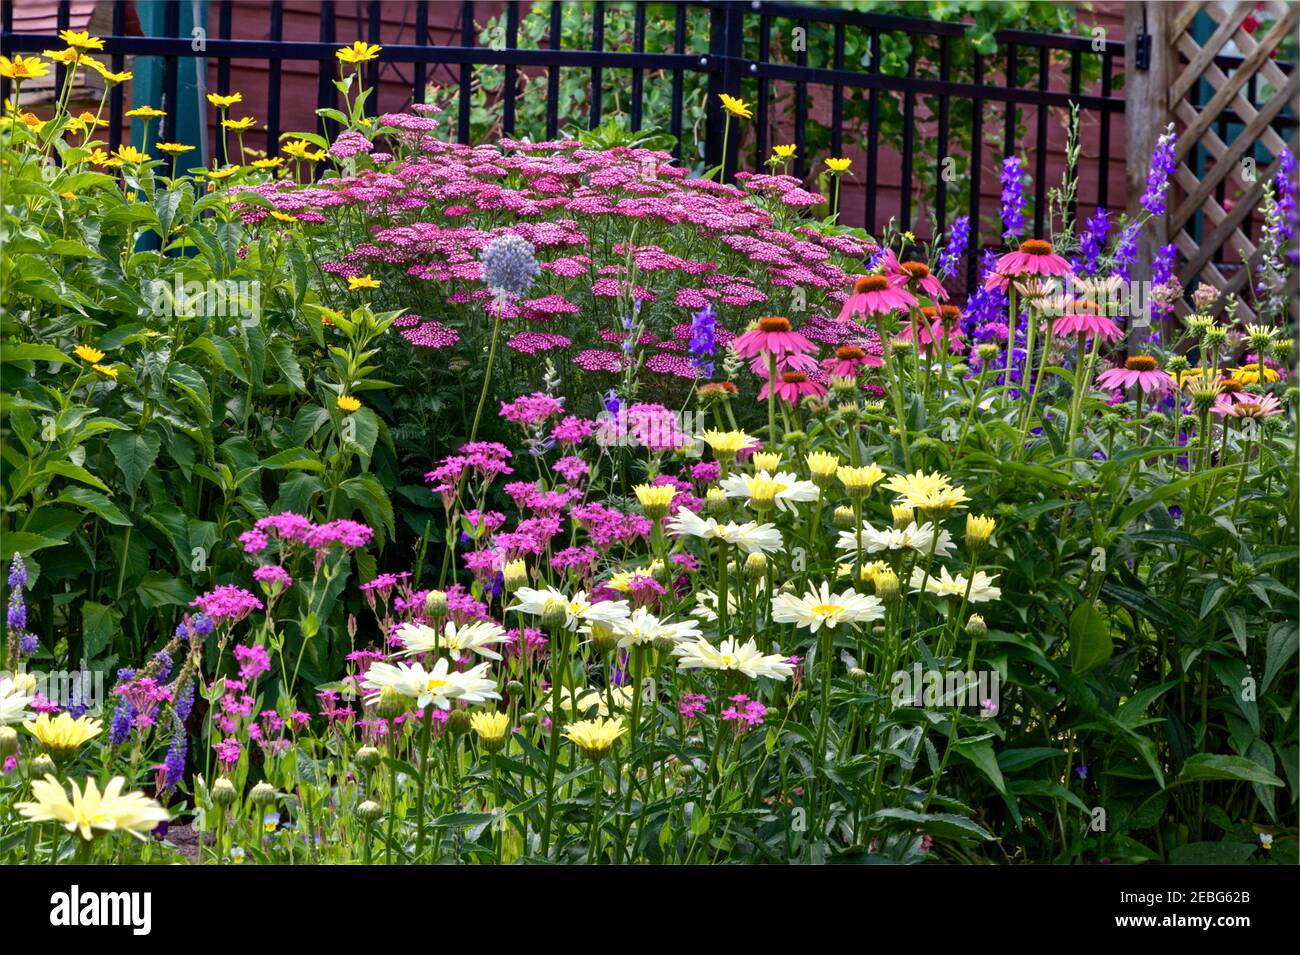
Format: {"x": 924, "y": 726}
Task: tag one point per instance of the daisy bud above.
{"x": 821, "y": 468}
{"x": 656, "y": 499}
{"x": 514, "y": 688}
{"x": 766, "y": 461}
{"x": 795, "y": 438}
{"x": 755, "y": 566}
{"x": 715, "y": 501}
{"x": 435, "y": 603}
{"x": 223, "y": 792}
{"x": 528, "y": 720}
{"x": 41, "y": 765}
{"x": 664, "y": 643}
{"x": 978, "y": 531}
{"x": 901, "y": 347}
{"x": 261, "y": 794}
{"x": 458, "y": 723}
{"x": 660, "y": 572}
{"x": 879, "y": 630}
{"x": 886, "y": 582}
{"x": 516, "y": 575}
{"x": 844, "y": 518}
{"x": 554, "y": 614}
{"x": 686, "y": 770}
{"x": 960, "y": 371}
{"x": 367, "y": 757}
{"x": 370, "y": 811}
{"x": 391, "y": 704}
{"x": 603, "y": 637}
{"x": 902, "y": 514}
{"x": 8, "y": 742}
{"x": 987, "y": 352}
{"x": 976, "y": 626}
{"x": 857, "y": 674}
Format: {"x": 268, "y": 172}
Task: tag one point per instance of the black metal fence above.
{"x": 1025, "y": 79}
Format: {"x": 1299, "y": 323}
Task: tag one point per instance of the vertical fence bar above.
{"x": 117, "y": 98}
{"x": 171, "y": 79}
{"x": 421, "y": 80}
{"x": 63, "y": 17}
{"x": 638, "y": 77}
{"x": 556, "y": 43}
{"x": 1076, "y": 87}
{"x": 1009, "y": 131}
{"x": 466, "y": 72}
{"x": 679, "y": 46}
{"x": 873, "y": 135}
{"x": 837, "y": 95}
{"x": 511, "y": 72}
{"x": 940, "y": 220}
{"x": 326, "y": 95}
{"x": 1040, "y": 147}
{"x": 801, "y": 167}
{"x": 374, "y": 24}
{"x": 597, "y": 45}
{"x": 764, "y": 92}
{"x": 225, "y": 18}
{"x": 976, "y": 176}
{"x": 1103, "y": 178}
{"x": 273, "y": 77}
{"x": 909, "y": 145}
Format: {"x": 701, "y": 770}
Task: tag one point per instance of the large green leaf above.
{"x": 1090, "y": 639}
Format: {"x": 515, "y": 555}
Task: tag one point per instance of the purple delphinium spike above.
{"x": 1092, "y": 243}
{"x": 1013, "y": 199}
{"x": 1163, "y": 163}
{"x": 702, "y": 345}
{"x": 952, "y": 254}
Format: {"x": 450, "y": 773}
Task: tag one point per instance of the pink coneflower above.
{"x": 919, "y": 273}
{"x": 1034, "y": 257}
{"x": 1243, "y": 404}
{"x": 939, "y": 323}
{"x": 848, "y": 359}
{"x": 773, "y": 336}
{"x": 876, "y": 295}
{"x": 1083, "y": 317}
{"x": 1140, "y": 370}
{"x": 793, "y": 385}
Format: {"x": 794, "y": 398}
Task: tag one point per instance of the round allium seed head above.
{"x": 509, "y": 265}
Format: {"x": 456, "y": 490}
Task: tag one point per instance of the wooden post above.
{"x": 1147, "y": 75}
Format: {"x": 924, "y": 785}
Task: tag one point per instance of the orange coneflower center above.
{"x": 871, "y": 283}
{"x": 949, "y": 312}
{"x": 918, "y": 270}
{"x": 1036, "y": 247}
{"x": 1083, "y": 306}
{"x": 849, "y": 353}
{"x": 1141, "y": 363}
{"x": 1230, "y": 386}
{"x": 794, "y": 377}
{"x": 774, "y": 323}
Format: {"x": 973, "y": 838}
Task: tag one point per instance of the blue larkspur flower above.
{"x": 702, "y": 345}
{"x": 1013, "y": 199}
{"x": 958, "y": 238}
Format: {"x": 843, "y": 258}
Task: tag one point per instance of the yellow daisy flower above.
{"x": 347, "y": 404}
{"x": 358, "y": 52}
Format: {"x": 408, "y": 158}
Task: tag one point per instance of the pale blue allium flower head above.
{"x": 509, "y": 265}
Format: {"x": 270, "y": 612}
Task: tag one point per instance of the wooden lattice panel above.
{"x": 1198, "y": 125}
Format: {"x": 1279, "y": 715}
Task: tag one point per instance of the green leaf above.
{"x": 21, "y": 542}
{"x": 14, "y": 352}
{"x": 135, "y": 453}
{"x": 1213, "y": 853}
{"x": 96, "y": 503}
{"x": 98, "y": 624}
{"x": 1090, "y": 640}
{"x": 981, "y": 754}
{"x": 294, "y": 459}
{"x": 946, "y": 825}
{"x": 1205, "y": 766}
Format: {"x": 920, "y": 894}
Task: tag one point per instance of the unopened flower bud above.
{"x": 458, "y": 723}
{"x": 902, "y": 514}
{"x": 603, "y": 637}
{"x": 857, "y": 674}
{"x": 223, "y": 792}
{"x": 370, "y": 811}
{"x": 261, "y": 794}
{"x": 528, "y": 720}
{"x": 41, "y": 765}
{"x": 391, "y": 704}
{"x": 514, "y": 688}
{"x": 987, "y": 352}
{"x": 755, "y": 566}
{"x": 960, "y": 370}
{"x": 8, "y": 742}
{"x": 554, "y": 613}
{"x": 886, "y": 582}
{"x": 976, "y": 626}
{"x": 715, "y": 501}
{"x": 435, "y": 603}
{"x": 844, "y": 518}
{"x": 515, "y": 575}
{"x": 367, "y": 757}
